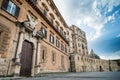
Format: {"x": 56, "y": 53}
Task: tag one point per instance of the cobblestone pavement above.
{"x": 80, "y": 76}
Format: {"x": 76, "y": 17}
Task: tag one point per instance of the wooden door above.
{"x": 26, "y": 59}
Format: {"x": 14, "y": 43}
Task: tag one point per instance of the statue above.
{"x": 31, "y": 22}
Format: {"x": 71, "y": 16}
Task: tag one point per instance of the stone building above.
{"x": 79, "y": 51}
{"x": 118, "y": 64}
{"x": 32, "y": 38}
{"x": 114, "y": 65}
{"x": 81, "y": 60}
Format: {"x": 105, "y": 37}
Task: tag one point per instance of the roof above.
{"x": 93, "y": 55}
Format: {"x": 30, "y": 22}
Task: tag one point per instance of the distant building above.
{"x": 93, "y": 55}
{"x": 80, "y": 60}
{"x": 114, "y": 65}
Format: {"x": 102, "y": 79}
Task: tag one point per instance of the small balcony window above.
{"x": 57, "y": 43}
{"x": 44, "y": 32}
{"x": 10, "y": 7}
{"x": 62, "y": 47}
{"x": 52, "y": 39}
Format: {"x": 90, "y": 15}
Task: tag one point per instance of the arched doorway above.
{"x": 101, "y": 69}
{"x": 26, "y": 58}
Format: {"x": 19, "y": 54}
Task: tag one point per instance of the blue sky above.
{"x": 100, "y": 19}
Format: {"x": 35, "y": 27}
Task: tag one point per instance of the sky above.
{"x": 100, "y": 19}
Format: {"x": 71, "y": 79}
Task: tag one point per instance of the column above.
{"x": 33, "y": 62}
{"x": 18, "y": 53}
{"x": 37, "y": 66}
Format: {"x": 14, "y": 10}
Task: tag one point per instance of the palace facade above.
{"x": 34, "y": 38}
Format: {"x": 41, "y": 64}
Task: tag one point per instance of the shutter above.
{"x": 53, "y": 39}
{"x": 50, "y": 38}
{"x": 17, "y": 12}
{"x": 5, "y": 4}
{"x": 45, "y": 33}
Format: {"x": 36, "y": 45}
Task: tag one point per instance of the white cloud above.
{"x": 115, "y": 55}
{"x": 88, "y": 13}
{"x": 109, "y": 57}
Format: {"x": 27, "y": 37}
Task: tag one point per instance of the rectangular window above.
{"x": 61, "y": 32}
{"x": 53, "y": 57}
{"x": 44, "y": 32}
{"x": 66, "y": 49}
{"x": 82, "y": 46}
{"x": 62, "y": 47}
{"x": 57, "y": 43}
{"x": 45, "y": 13}
{"x": 52, "y": 39}
{"x": 43, "y": 56}
{"x": 10, "y": 7}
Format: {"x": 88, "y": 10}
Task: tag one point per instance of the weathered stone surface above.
{"x": 3, "y": 67}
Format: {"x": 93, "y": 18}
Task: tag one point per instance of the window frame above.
{"x": 53, "y": 57}
{"x": 13, "y": 10}
{"x": 62, "y": 47}
{"x": 51, "y": 39}
{"x": 43, "y": 56}
{"x": 57, "y": 43}
{"x": 44, "y": 32}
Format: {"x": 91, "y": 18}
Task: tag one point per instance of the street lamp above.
{"x": 109, "y": 65}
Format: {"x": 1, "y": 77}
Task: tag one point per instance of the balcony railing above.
{"x": 34, "y": 4}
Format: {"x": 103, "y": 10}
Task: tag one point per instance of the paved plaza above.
{"x": 73, "y": 76}
{"x": 81, "y": 76}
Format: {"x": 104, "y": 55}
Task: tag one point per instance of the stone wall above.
{"x": 3, "y": 67}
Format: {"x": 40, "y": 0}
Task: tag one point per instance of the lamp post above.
{"x": 109, "y": 65}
